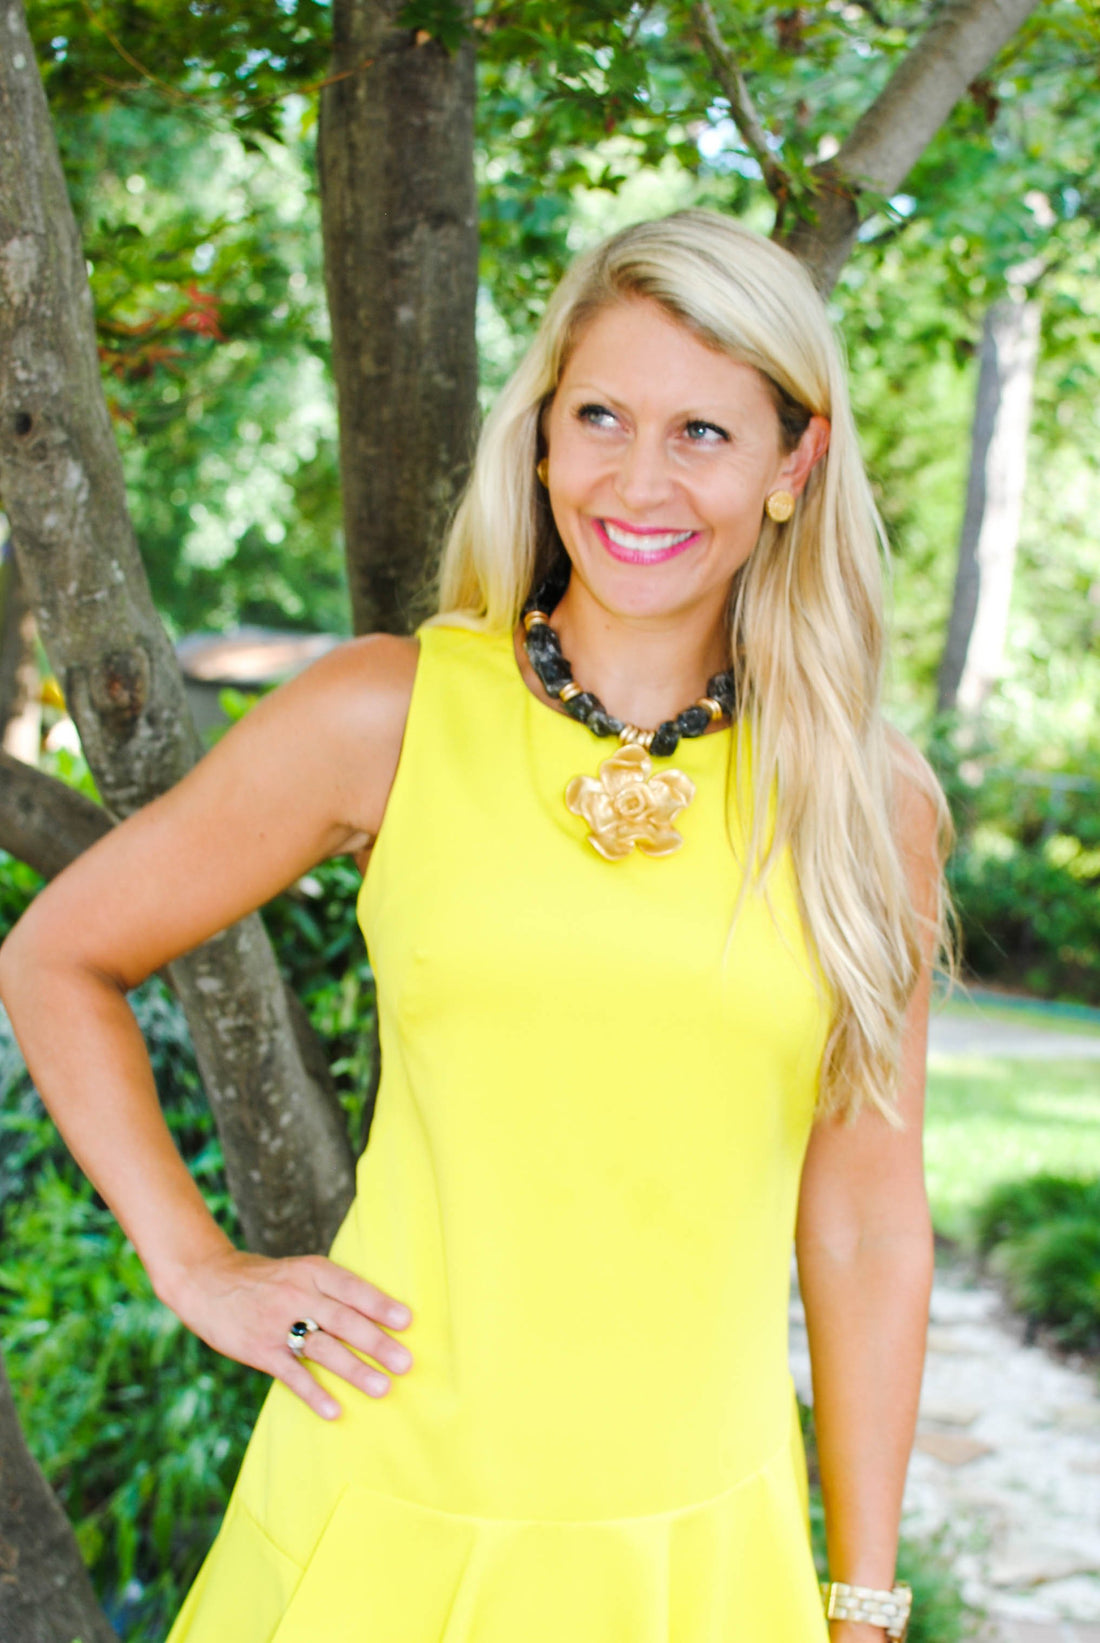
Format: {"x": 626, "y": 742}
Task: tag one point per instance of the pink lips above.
{"x": 638, "y": 556}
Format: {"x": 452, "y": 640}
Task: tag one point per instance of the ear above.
{"x": 799, "y": 464}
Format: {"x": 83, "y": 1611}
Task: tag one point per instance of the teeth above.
{"x": 649, "y": 543}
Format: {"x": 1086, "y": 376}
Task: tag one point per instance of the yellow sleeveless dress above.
{"x": 582, "y": 1178}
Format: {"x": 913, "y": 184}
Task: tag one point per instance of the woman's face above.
{"x": 662, "y": 453}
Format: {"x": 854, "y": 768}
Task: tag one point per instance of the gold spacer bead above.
{"x": 534, "y": 619}
{"x": 567, "y": 692}
{"x": 632, "y": 733}
{"x": 714, "y": 708}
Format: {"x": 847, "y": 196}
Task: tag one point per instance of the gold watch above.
{"x": 873, "y": 1607}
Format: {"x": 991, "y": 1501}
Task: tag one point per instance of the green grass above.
{"x": 991, "y": 1119}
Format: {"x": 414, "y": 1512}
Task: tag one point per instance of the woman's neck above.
{"x": 643, "y": 670}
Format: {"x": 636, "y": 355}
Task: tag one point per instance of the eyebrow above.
{"x": 591, "y": 390}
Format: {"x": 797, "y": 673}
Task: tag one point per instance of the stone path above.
{"x": 1008, "y": 1455}
{"x": 973, "y": 1034}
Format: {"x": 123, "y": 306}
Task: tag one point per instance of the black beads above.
{"x": 693, "y": 720}
{"x": 581, "y": 707}
{"x": 542, "y": 640}
{"x": 665, "y": 739}
{"x": 554, "y": 672}
{"x": 723, "y": 689}
{"x": 601, "y": 723}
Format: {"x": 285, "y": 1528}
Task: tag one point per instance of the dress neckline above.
{"x": 514, "y": 642}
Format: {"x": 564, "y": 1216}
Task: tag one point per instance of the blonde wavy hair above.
{"x": 806, "y": 616}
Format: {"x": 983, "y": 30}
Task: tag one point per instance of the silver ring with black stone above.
{"x": 299, "y": 1333}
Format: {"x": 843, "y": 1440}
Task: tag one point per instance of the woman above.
{"x": 652, "y": 934}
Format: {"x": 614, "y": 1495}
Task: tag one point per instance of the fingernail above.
{"x": 400, "y": 1315}
{"x": 330, "y": 1410}
{"x": 378, "y": 1383}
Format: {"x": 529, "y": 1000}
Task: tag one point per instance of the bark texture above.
{"x": 287, "y": 1154}
{"x": 894, "y": 131}
{"x": 399, "y": 213}
{"x": 45, "y": 1593}
{"x": 20, "y": 710}
{"x": 43, "y": 822}
{"x": 974, "y": 652}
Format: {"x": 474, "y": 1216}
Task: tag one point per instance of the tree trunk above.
{"x": 287, "y": 1154}
{"x": 20, "y": 711}
{"x": 399, "y": 214}
{"x": 45, "y": 1593}
{"x": 974, "y": 653}
{"x": 890, "y": 136}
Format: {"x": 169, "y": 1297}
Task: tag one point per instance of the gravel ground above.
{"x": 1008, "y": 1454}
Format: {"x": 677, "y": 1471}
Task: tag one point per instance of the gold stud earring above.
{"x": 779, "y": 506}
{"x": 543, "y": 470}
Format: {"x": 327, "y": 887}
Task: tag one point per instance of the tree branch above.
{"x": 43, "y": 822}
{"x": 894, "y": 131}
{"x": 736, "y": 92}
{"x": 891, "y": 135}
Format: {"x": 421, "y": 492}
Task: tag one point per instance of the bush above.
{"x": 1030, "y": 916}
{"x": 321, "y": 953}
{"x": 1012, "y": 1209}
{"x": 1025, "y": 875}
{"x": 1043, "y": 1239}
{"x": 1053, "y": 1276}
{"x": 143, "y": 1477}
{"x": 138, "y": 1426}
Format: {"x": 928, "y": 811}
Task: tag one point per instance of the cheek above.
{"x": 734, "y": 503}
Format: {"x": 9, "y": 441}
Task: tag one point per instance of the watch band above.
{"x": 872, "y": 1606}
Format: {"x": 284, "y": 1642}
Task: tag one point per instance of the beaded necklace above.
{"x": 625, "y": 805}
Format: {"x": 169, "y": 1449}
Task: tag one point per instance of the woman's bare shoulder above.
{"x": 358, "y": 697}
{"x": 367, "y": 681}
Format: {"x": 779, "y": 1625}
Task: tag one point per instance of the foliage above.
{"x": 232, "y": 60}
{"x": 145, "y": 1479}
{"x": 1031, "y": 918}
{"x": 1014, "y": 1208}
{"x": 205, "y": 258}
{"x": 1053, "y": 1276}
{"x": 18, "y": 884}
{"x": 320, "y": 950}
{"x": 1043, "y": 1237}
{"x": 1026, "y": 873}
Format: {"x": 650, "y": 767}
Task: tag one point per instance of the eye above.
{"x": 597, "y": 416}
{"x": 705, "y": 433}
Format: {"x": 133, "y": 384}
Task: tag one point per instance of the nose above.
{"x": 644, "y": 476}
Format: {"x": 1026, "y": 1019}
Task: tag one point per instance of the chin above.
{"x": 644, "y": 590}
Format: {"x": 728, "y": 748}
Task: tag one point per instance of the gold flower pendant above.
{"x": 625, "y": 805}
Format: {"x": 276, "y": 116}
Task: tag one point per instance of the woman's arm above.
{"x": 864, "y": 1245}
{"x": 304, "y": 776}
